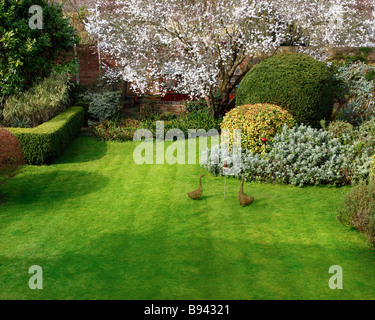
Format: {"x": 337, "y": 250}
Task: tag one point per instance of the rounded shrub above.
{"x": 299, "y": 83}
{"x": 11, "y": 155}
{"x": 257, "y": 122}
{"x": 102, "y": 105}
{"x": 359, "y": 210}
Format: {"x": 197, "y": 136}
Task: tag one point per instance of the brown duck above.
{"x": 243, "y": 198}
{"x": 195, "y": 195}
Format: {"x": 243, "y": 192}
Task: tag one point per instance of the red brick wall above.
{"x": 167, "y": 107}
{"x": 88, "y": 65}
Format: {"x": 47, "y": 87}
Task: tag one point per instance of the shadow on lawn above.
{"x": 54, "y": 186}
{"x": 157, "y": 265}
{"x": 84, "y": 149}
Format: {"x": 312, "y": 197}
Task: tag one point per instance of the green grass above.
{"x": 102, "y": 227}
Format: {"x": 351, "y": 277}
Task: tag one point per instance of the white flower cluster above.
{"x": 199, "y": 43}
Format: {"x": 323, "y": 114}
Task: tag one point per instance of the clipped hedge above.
{"x": 42, "y": 144}
{"x": 295, "y": 82}
{"x": 85, "y": 105}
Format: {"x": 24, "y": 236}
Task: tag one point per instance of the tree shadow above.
{"x": 53, "y": 186}
{"x": 83, "y": 149}
{"x": 157, "y": 264}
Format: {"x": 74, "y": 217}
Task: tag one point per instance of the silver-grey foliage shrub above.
{"x": 358, "y": 88}
{"x": 213, "y": 159}
{"x": 103, "y": 105}
{"x": 301, "y": 156}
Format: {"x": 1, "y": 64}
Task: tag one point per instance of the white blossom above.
{"x": 202, "y": 43}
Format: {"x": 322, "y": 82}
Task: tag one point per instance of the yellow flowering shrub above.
{"x": 257, "y": 122}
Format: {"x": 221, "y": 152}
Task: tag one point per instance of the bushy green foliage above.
{"x": 11, "y": 155}
{"x": 184, "y": 122}
{"x": 123, "y": 129}
{"x": 357, "y": 88}
{"x": 362, "y": 137}
{"x": 359, "y": 209}
{"x": 301, "y": 156}
{"x": 200, "y": 115}
{"x": 372, "y": 169}
{"x": 197, "y": 105}
{"x": 28, "y": 55}
{"x": 256, "y": 122}
{"x": 201, "y": 119}
{"x": 365, "y": 134}
{"x": 76, "y": 91}
{"x": 40, "y": 103}
{"x": 24, "y": 122}
{"x": 117, "y": 129}
{"x": 42, "y": 144}
{"x": 102, "y": 105}
{"x": 149, "y": 110}
{"x": 299, "y": 83}
{"x": 341, "y": 130}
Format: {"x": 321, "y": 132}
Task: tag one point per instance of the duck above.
{"x": 243, "y": 198}
{"x": 195, "y": 195}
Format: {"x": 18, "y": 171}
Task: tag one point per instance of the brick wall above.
{"x": 167, "y": 107}
{"x": 88, "y": 65}
{"x": 89, "y": 68}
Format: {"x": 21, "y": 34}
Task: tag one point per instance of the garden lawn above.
{"x": 102, "y": 227}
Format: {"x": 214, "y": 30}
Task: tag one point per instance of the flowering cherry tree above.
{"x": 206, "y": 46}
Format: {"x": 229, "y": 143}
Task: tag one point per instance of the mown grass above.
{"x": 102, "y": 227}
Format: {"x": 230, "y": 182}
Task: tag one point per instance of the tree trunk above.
{"x": 98, "y": 47}
{"x": 210, "y": 101}
{"x": 218, "y": 106}
{"x": 224, "y": 100}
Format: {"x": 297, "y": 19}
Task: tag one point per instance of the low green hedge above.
{"x": 85, "y": 105}
{"x": 42, "y": 144}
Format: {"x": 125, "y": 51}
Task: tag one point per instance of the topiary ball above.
{"x": 11, "y": 155}
{"x": 296, "y": 82}
{"x": 258, "y": 123}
